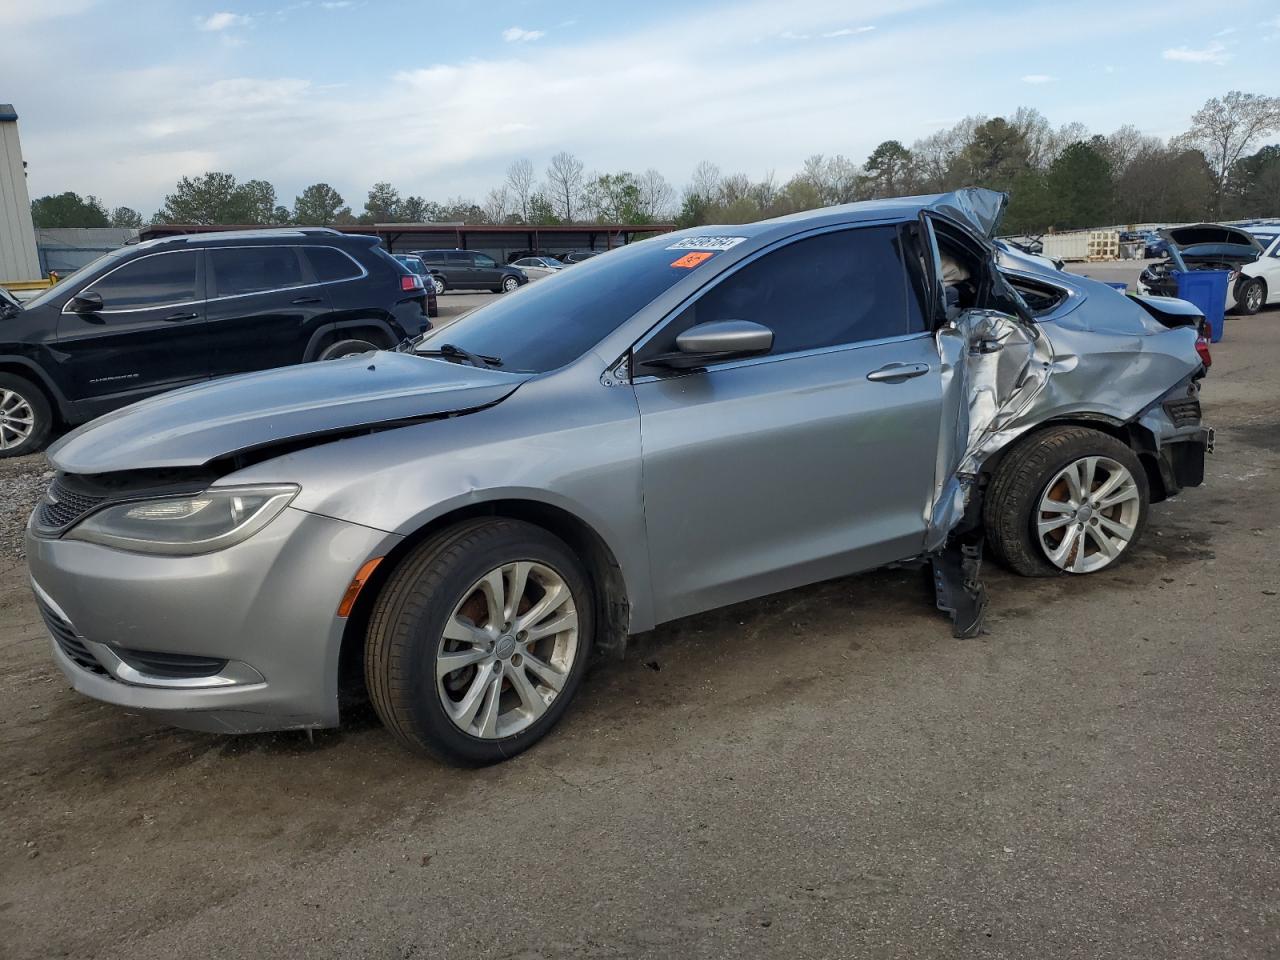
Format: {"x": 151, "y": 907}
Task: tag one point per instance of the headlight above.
{"x": 184, "y": 526}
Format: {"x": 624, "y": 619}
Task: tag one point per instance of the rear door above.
{"x": 150, "y": 336}
{"x": 264, "y": 303}
{"x": 813, "y": 461}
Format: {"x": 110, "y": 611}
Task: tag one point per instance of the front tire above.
{"x": 509, "y": 284}
{"x": 479, "y": 640}
{"x": 1066, "y": 500}
{"x": 1251, "y": 296}
{"x": 25, "y": 416}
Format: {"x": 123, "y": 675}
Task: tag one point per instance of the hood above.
{"x": 978, "y": 207}
{"x": 192, "y": 426}
{"x": 1213, "y": 242}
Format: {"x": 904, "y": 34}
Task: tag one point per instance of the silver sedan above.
{"x": 453, "y": 529}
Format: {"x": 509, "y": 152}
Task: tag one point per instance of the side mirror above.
{"x": 715, "y": 340}
{"x": 86, "y": 302}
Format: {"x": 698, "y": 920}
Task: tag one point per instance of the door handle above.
{"x": 898, "y": 372}
{"x": 178, "y": 317}
{"x": 306, "y": 300}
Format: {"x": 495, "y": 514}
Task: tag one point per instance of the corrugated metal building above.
{"x": 18, "y": 259}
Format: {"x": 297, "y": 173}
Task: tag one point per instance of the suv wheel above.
{"x": 1250, "y": 297}
{"x": 439, "y": 283}
{"x": 25, "y": 416}
{"x": 346, "y": 348}
{"x": 509, "y": 284}
{"x": 479, "y": 640}
{"x": 1068, "y": 500}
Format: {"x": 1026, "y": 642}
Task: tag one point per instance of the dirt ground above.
{"x": 823, "y": 773}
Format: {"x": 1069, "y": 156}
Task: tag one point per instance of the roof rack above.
{"x": 249, "y": 234}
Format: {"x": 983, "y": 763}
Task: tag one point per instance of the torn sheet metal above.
{"x": 979, "y": 208}
{"x": 993, "y": 368}
{"x": 1002, "y": 377}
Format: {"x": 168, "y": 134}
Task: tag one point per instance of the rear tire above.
{"x": 346, "y": 348}
{"x": 479, "y": 640}
{"x": 26, "y": 418}
{"x": 440, "y": 284}
{"x": 1040, "y": 522}
{"x": 1251, "y": 296}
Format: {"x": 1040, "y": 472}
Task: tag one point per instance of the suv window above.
{"x": 158, "y": 280}
{"x": 483, "y": 260}
{"x": 241, "y": 270}
{"x": 835, "y": 288}
{"x": 330, "y": 265}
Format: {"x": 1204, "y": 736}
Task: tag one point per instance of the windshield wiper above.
{"x": 450, "y": 352}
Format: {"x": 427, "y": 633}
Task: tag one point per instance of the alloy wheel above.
{"x": 510, "y": 284}
{"x": 1253, "y": 297}
{"x": 1088, "y": 514}
{"x": 507, "y": 650}
{"x": 17, "y": 419}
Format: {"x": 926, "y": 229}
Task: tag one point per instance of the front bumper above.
{"x": 266, "y": 606}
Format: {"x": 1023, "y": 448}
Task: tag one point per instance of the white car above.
{"x": 537, "y": 267}
{"x": 1259, "y": 282}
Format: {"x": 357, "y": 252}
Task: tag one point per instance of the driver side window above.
{"x": 833, "y": 289}
{"x": 163, "y": 279}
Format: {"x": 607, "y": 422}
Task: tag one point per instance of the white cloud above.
{"x": 1037, "y": 78}
{"x": 217, "y": 22}
{"x": 1226, "y": 31}
{"x": 788, "y": 35}
{"x": 848, "y": 31}
{"x": 337, "y": 4}
{"x": 520, "y": 35}
{"x": 738, "y": 108}
{"x": 16, "y": 13}
{"x": 1213, "y": 53}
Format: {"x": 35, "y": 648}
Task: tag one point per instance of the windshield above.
{"x": 543, "y": 326}
{"x": 86, "y": 271}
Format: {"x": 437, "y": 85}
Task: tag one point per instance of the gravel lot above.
{"x": 824, "y": 773}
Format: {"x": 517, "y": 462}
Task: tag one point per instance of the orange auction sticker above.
{"x": 690, "y": 260}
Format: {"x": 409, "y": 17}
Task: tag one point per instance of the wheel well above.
{"x": 1138, "y": 438}
{"x": 373, "y": 333}
{"x": 26, "y": 373}
{"x": 612, "y": 604}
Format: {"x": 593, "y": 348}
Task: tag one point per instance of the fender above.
{"x": 66, "y": 408}
{"x": 318, "y": 335}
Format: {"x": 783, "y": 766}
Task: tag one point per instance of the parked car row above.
{"x": 176, "y": 311}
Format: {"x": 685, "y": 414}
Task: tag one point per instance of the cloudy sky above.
{"x": 119, "y": 98}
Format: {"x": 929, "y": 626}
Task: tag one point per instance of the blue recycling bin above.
{"x": 1207, "y": 289}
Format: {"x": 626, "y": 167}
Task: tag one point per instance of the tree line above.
{"x": 1057, "y": 178}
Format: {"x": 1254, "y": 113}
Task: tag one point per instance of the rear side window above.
{"x": 160, "y": 280}
{"x": 237, "y": 271}
{"x": 330, "y": 264}
{"x": 835, "y": 288}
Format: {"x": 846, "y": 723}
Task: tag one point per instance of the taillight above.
{"x": 410, "y": 282}
{"x": 1202, "y": 348}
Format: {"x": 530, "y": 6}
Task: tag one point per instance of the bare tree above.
{"x": 706, "y": 180}
{"x": 656, "y": 195}
{"x": 1126, "y": 144}
{"x": 520, "y": 181}
{"x": 497, "y": 204}
{"x": 564, "y": 184}
{"x": 1225, "y": 127}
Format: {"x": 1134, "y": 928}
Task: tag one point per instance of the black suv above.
{"x": 174, "y": 311}
{"x": 469, "y": 270}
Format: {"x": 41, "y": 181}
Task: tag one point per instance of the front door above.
{"x": 811, "y": 462}
{"x": 151, "y": 334}
{"x": 485, "y": 272}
